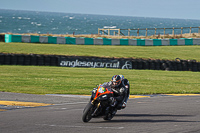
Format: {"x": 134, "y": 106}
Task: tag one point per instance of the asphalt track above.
{"x": 151, "y": 114}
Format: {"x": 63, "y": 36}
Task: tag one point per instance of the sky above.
{"x": 180, "y": 9}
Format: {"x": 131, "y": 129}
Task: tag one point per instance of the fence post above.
{"x": 190, "y": 30}
{"x": 173, "y": 31}
{"x": 118, "y": 32}
{"x": 155, "y": 31}
{"x": 164, "y": 31}
{"x": 199, "y": 30}
{"x": 138, "y": 32}
{"x": 146, "y": 31}
{"x": 108, "y": 31}
{"x": 181, "y": 31}
{"x": 128, "y": 32}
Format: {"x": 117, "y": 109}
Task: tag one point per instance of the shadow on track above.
{"x": 150, "y": 119}
{"x": 150, "y": 115}
{"x": 142, "y": 121}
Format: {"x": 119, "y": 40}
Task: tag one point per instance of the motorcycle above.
{"x": 100, "y": 104}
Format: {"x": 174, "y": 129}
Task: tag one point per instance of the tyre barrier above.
{"x": 98, "y": 62}
{"x": 33, "y": 59}
{"x": 2, "y": 38}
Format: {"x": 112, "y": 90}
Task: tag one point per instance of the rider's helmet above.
{"x": 122, "y": 77}
{"x": 116, "y": 80}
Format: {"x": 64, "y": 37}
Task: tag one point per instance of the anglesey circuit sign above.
{"x": 78, "y": 63}
{"x": 96, "y": 64}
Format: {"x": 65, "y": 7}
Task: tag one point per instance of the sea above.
{"x": 21, "y": 21}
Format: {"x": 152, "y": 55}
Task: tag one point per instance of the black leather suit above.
{"x": 121, "y": 93}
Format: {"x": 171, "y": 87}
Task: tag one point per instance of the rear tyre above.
{"x": 87, "y": 113}
{"x": 110, "y": 115}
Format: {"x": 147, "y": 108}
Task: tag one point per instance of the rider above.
{"x": 120, "y": 87}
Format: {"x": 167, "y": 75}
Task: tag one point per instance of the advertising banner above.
{"x": 95, "y": 63}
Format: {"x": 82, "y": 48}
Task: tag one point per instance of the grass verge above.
{"x": 146, "y": 52}
{"x": 65, "y": 80}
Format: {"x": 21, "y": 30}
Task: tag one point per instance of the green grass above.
{"x": 147, "y": 52}
{"x": 65, "y": 80}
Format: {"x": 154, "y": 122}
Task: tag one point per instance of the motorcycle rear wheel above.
{"x": 109, "y": 116}
{"x": 87, "y": 113}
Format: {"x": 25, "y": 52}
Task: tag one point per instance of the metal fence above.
{"x": 148, "y": 31}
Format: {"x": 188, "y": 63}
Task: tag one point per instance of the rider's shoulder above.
{"x": 125, "y": 81}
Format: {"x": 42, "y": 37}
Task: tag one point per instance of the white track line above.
{"x": 118, "y": 128}
{"x": 74, "y": 103}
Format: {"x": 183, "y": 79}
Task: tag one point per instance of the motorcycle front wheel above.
{"x": 87, "y": 113}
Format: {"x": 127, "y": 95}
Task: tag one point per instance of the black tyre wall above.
{"x": 54, "y": 60}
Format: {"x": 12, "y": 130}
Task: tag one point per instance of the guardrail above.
{"x": 100, "y": 41}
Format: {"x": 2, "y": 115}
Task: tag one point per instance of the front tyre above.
{"x": 87, "y": 113}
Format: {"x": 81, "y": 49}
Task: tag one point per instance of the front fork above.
{"x": 99, "y": 104}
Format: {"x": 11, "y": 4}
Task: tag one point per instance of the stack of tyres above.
{"x": 27, "y": 60}
{"x": 7, "y": 59}
{"x": 169, "y": 65}
{"x": 54, "y": 61}
{"x": 198, "y": 66}
{"x": 33, "y": 60}
{"x": 194, "y": 66}
{"x": 47, "y": 60}
{"x": 158, "y": 64}
{"x": 185, "y": 65}
{"x": 152, "y": 65}
{"x": 134, "y": 64}
{"x": 174, "y": 65}
{"x": 20, "y": 59}
{"x": 179, "y": 66}
{"x": 189, "y": 65}
{"x": 139, "y": 64}
{"x": 40, "y": 60}
{"x": 162, "y": 64}
{"x": 13, "y": 60}
{"x": 2, "y": 38}
{"x": 165, "y": 66}
{"x": 146, "y": 64}
{"x": 2, "y": 60}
